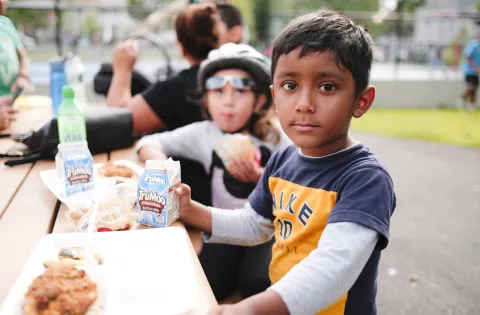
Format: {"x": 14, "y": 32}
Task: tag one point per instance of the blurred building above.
{"x": 443, "y": 22}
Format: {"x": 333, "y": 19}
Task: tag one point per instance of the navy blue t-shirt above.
{"x": 301, "y": 195}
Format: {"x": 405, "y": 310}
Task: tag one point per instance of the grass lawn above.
{"x": 441, "y": 125}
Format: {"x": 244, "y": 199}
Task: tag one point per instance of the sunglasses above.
{"x": 240, "y": 83}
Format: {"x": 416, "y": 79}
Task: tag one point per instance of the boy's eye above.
{"x": 328, "y": 87}
{"x": 289, "y": 86}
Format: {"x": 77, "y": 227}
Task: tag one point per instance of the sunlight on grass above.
{"x": 442, "y": 125}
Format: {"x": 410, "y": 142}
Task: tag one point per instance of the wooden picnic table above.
{"x": 28, "y": 211}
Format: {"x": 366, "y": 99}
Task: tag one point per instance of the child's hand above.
{"x": 150, "y": 152}
{"x": 191, "y": 212}
{"x": 244, "y": 170}
{"x": 185, "y": 194}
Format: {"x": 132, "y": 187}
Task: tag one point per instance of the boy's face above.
{"x": 315, "y": 101}
{"x": 3, "y": 6}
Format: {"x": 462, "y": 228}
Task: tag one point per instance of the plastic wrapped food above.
{"x": 115, "y": 213}
{"x": 235, "y": 145}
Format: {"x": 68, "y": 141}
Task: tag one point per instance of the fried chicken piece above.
{"x": 110, "y": 169}
{"x": 61, "y": 289}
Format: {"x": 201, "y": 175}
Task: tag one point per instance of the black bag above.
{"x": 103, "y": 79}
{"x": 107, "y": 129}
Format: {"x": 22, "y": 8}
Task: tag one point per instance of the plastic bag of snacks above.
{"x": 115, "y": 213}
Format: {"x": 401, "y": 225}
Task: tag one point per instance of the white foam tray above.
{"x": 102, "y": 185}
{"x": 146, "y": 271}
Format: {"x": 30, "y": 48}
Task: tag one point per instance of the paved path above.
{"x": 435, "y": 230}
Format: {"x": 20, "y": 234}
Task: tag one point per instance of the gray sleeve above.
{"x": 329, "y": 271}
{"x": 239, "y": 227}
{"x": 191, "y": 142}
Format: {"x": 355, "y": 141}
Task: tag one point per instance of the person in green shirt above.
{"x": 14, "y": 61}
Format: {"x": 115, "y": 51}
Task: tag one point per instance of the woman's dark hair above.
{"x": 331, "y": 32}
{"x": 196, "y": 27}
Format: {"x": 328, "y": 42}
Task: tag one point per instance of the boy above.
{"x": 327, "y": 199}
{"x": 471, "y": 66}
{"x": 14, "y": 62}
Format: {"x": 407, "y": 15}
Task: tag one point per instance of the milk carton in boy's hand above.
{"x": 157, "y": 203}
{"x": 75, "y": 167}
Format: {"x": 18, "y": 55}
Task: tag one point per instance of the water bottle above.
{"x": 71, "y": 122}
{"x": 58, "y": 79}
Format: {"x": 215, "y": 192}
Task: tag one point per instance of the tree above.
{"x": 91, "y": 24}
{"x": 342, "y": 5}
{"x": 141, "y": 9}
{"x": 33, "y": 18}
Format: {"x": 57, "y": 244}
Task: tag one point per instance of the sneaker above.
{"x": 460, "y": 103}
{"x": 469, "y": 107}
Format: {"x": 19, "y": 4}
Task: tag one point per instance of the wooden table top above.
{"x": 29, "y": 211}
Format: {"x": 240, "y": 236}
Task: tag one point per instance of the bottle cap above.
{"x": 68, "y": 92}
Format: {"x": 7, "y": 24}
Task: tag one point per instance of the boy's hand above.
{"x": 244, "y": 170}
{"x": 191, "y": 212}
{"x": 266, "y": 303}
{"x": 125, "y": 56}
{"x": 185, "y": 194}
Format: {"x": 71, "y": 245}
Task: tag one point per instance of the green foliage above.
{"x": 141, "y": 9}
{"x": 91, "y": 24}
{"x": 343, "y": 5}
{"x": 137, "y": 10}
{"x": 262, "y": 10}
{"x": 28, "y": 17}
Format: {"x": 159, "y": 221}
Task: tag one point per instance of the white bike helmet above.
{"x": 237, "y": 56}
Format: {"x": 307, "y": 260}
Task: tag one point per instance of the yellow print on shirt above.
{"x": 301, "y": 214}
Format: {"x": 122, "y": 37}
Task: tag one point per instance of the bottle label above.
{"x": 72, "y": 128}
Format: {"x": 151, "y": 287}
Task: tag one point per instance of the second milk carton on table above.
{"x": 157, "y": 203}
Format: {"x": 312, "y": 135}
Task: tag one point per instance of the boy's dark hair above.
{"x": 196, "y": 28}
{"x": 230, "y": 15}
{"x": 333, "y": 32}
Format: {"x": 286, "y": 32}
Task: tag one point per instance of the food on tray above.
{"x": 231, "y": 146}
{"x": 74, "y": 256}
{"x": 157, "y": 203}
{"x": 116, "y": 212}
{"x": 61, "y": 289}
{"x": 112, "y": 169}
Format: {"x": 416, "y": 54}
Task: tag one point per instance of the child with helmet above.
{"x": 233, "y": 144}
